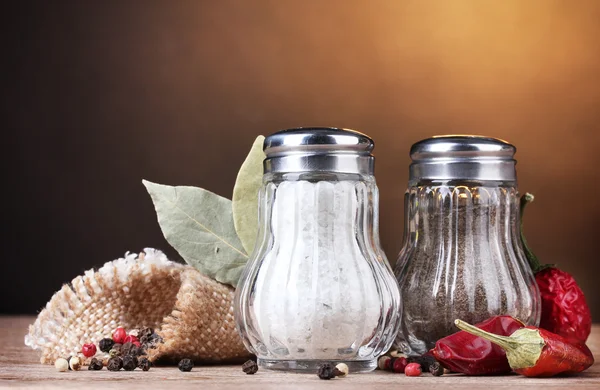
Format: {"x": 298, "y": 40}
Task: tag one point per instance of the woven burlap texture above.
{"x": 192, "y": 312}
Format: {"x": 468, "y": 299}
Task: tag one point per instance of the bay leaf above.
{"x": 245, "y": 195}
{"x": 199, "y": 225}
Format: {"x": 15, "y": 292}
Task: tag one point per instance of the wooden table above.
{"x": 19, "y": 367}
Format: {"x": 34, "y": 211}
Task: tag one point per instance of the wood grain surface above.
{"x": 19, "y": 368}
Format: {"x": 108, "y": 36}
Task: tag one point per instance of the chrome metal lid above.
{"x": 321, "y": 149}
{"x": 463, "y": 157}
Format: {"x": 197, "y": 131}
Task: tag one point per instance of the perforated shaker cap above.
{"x": 319, "y": 149}
{"x": 463, "y": 157}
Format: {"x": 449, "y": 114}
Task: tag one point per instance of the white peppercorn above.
{"x": 61, "y": 365}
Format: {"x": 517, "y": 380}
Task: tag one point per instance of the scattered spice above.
{"x": 342, "y": 369}
{"x": 436, "y": 369}
{"x": 88, "y": 350}
{"x": 75, "y": 363}
{"x": 119, "y": 335}
{"x": 130, "y": 348}
{"x": 424, "y": 360}
{"x": 61, "y": 365}
{"x": 95, "y": 365}
{"x": 129, "y": 363}
{"x": 471, "y": 355}
{"x": 115, "y": 364}
{"x": 133, "y": 340}
{"x": 399, "y": 365}
{"x": 382, "y": 361}
{"x": 185, "y": 365}
{"x": 413, "y": 369}
{"x": 250, "y": 367}
{"x": 568, "y": 317}
{"x": 144, "y": 364}
{"x": 326, "y": 371}
{"x": 106, "y": 345}
{"x": 535, "y": 352}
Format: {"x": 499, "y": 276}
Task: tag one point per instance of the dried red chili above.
{"x": 472, "y": 355}
{"x": 564, "y": 308}
{"x": 537, "y": 352}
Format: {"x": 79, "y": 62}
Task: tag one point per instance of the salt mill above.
{"x": 318, "y": 287}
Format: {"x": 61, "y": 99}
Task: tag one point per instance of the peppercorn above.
{"x": 68, "y": 360}
{"x": 130, "y": 349}
{"x": 115, "y": 364}
{"x": 413, "y": 369}
{"x": 436, "y": 369}
{"x": 186, "y": 365}
{"x": 119, "y": 335}
{"x": 326, "y": 371}
{"x": 399, "y": 365}
{"x": 424, "y": 360}
{"x": 342, "y": 370}
{"x": 88, "y": 350}
{"x": 382, "y": 362}
{"x": 95, "y": 365}
{"x": 129, "y": 362}
{"x": 132, "y": 339}
{"x": 106, "y": 344}
{"x": 144, "y": 364}
{"x": 61, "y": 365}
{"x": 250, "y": 367}
{"x": 75, "y": 363}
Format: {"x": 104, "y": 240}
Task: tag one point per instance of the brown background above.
{"x": 97, "y": 95}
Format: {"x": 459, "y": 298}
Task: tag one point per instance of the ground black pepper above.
{"x": 436, "y": 369}
{"x": 115, "y": 364}
{"x": 185, "y": 365}
{"x": 129, "y": 363}
{"x": 459, "y": 254}
{"x": 250, "y": 367}
{"x": 106, "y": 344}
{"x": 144, "y": 364}
{"x": 95, "y": 365}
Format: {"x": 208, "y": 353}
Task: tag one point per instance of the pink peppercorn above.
{"x": 119, "y": 336}
{"x": 399, "y": 365}
{"x": 88, "y": 350}
{"x": 131, "y": 339}
{"x": 413, "y": 369}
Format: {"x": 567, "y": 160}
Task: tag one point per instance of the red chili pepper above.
{"x": 472, "y": 355}
{"x": 564, "y": 308}
{"x": 537, "y": 352}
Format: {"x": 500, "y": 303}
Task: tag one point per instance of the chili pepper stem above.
{"x": 523, "y": 347}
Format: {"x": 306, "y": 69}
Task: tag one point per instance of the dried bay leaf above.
{"x": 199, "y": 225}
{"x": 245, "y": 195}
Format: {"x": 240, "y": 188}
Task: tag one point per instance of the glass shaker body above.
{"x": 318, "y": 287}
{"x": 462, "y": 256}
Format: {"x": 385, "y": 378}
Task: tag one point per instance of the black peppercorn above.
{"x": 144, "y": 364}
{"x": 68, "y": 360}
{"x": 115, "y": 364}
{"x": 424, "y": 360}
{"x": 106, "y": 345}
{"x": 129, "y": 363}
{"x": 129, "y": 349}
{"x": 436, "y": 369}
{"x": 327, "y": 371}
{"x": 95, "y": 365}
{"x": 186, "y": 365}
{"x": 250, "y": 367}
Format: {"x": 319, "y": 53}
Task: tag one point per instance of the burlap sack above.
{"x": 192, "y": 313}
